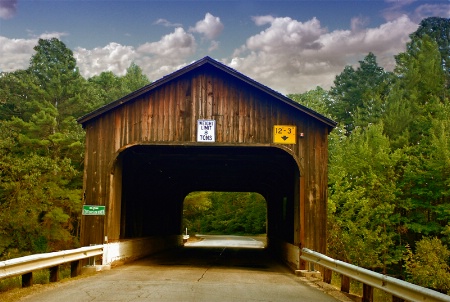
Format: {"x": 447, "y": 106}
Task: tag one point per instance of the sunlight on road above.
{"x": 226, "y": 241}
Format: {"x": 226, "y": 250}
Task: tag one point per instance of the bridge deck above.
{"x": 190, "y": 274}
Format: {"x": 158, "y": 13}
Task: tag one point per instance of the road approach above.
{"x": 192, "y": 273}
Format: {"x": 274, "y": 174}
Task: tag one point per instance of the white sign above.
{"x": 206, "y": 131}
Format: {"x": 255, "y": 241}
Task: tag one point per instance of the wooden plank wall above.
{"x": 168, "y": 114}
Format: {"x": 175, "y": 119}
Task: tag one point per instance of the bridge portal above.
{"x": 205, "y": 127}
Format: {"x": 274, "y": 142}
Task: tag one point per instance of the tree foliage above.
{"x": 225, "y": 213}
{"x": 389, "y": 163}
{"x": 357, "y": 97}
{"x": 42, "y": 148}
{"x": 429, "y": 265}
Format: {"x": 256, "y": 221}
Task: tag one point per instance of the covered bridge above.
{"x": 205, "y": 127}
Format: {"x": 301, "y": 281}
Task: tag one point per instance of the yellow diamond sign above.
{"x": 283, "y": 134}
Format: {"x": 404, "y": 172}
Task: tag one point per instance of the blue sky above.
{"x": 291, "y": 46}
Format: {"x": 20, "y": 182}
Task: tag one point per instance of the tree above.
{"x": 363, "y": 203}
{"x": 225, "y": 212}
{"x": 16, "y": 90}
{"x": 357, "y": 97}
{"x": 54, "y": 67}
{"x": 195, "y": 205}
{"x": 111, "y": 87}
{"x": 41, "y": 153}
{"x": 314, "y": 99}
{"x": 134, "y": 79}
{"x": 416, "y": 122}
{"x": 38, "y": 206}
{"x": 439, "y": 30}
{"x": 428, "y": 266}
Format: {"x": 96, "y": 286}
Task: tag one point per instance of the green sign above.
{"x": 93, "y": 210}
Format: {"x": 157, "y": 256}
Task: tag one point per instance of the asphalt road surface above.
{"x": 227, "y": 241}
{"x": 192, "y": 273}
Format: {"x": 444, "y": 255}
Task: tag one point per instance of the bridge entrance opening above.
{"x": 225, "y": 219}
{"x": 156, "y": 179}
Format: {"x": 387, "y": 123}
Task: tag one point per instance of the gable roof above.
{"x": 206, "y": 60}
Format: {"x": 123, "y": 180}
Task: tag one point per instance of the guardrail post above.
{"x": 54, "y": 274}
{"x": 345, "y": 284}
{"x": 27, "y": 279}
{"x": 397, "y": 299}
{"x": 367, "y": 293}
{"x": 327, "y": 275}
{"x": 75, "y": 268}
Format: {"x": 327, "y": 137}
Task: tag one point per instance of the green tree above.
{"x": 195, "y": 205}
{"x": 134, "y": 79}
{"x": 428, "y": 266}
{"x": 110, "y": 87}
{"x": 16, "y": 89}
{"x": 439, "y": 30}
{"x": 225, "y": 212}
{"x": 357, "y": 97}
{"x": 33, "y": 186}
{"x": 107, "y": 85}
{"x": 363, "y": 204}
{"x": 57, "y": 74}
{"x": 41, "y": 153}
{"x": 314, "y": 99}
{"x": 416, "y": 122}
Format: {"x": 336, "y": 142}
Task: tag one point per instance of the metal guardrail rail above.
{"x": 26, "y": 265}
{"x": 396, "y": 287}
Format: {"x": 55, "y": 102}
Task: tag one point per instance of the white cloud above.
{"x": 16, "y": 53}
{"x": 432, "y": 10}
{"x": 156, "y": 59}
{"x": 398, "y": 8}
{"x": 214, "y": 45}
{"x": 262, "y": 20}
{"x": 292, "y": 56}
{"x": 179, "y": 43}
{"x": 167, "y": 23}
{"x": 287, "y": 55}
{"x": 210, "y": 26}
{"x": 113, "y": 57}
{"x": 160, "y": 58}
{"x": 8, "y": 8}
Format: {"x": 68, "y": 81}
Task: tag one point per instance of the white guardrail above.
{"x": 396, "y": 287}
{"x": 28, "y": 264}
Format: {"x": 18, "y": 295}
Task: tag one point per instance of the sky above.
{"x": 291, "y": 46}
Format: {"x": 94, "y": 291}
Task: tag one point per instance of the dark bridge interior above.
{"x": 156, "y": 179}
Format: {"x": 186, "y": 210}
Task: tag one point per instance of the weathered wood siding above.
{"x": 244, "y": 116}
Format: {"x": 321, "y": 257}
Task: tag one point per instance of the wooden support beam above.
{"x": 367, "y": 293}
{"x": 327, "y": 275}
{"x": 75, "y": 268}
{"x": 345, "y": 284}
{"x": 54, "y": 274}
{"x": 27, "y": 279}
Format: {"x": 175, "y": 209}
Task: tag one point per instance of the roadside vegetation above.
{"x": 389, "y": 159}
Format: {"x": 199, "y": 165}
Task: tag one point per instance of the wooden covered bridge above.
{"x": 205, "y": 127}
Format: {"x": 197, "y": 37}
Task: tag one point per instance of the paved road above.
{"x": 227, "y": 241}
{"x": 190, "y": 274}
